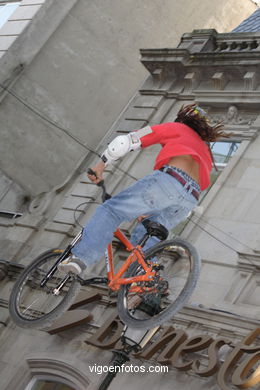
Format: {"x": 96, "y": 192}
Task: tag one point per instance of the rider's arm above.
{"x": 124, "y": 144}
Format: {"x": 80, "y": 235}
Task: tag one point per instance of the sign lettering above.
{"x": 174, "y": 346}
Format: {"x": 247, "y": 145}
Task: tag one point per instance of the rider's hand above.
{"x": 98, "y": 169}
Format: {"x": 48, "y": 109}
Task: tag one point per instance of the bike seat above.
{"x": 155, "y": 229}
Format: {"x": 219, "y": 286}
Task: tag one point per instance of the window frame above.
{"x": 220, "y": 166}
{"x": 40, "y": 368}
{"x": 52, "y": 378}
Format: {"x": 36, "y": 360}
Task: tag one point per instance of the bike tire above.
{"x": 178, "y": 253}
{"x": 27, "y": 287}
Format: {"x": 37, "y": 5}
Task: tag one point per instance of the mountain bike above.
{"x": 152, "y": 285}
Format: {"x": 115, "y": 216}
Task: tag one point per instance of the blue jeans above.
{"x": 158, "y": 195}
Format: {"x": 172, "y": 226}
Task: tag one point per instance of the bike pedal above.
{"x": 158, "y": 267}
{"x": 80, "y": 280}
{"x": 112, "y": 294}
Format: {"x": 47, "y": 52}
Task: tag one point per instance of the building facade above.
{"x": 74, "y": 64}
{"x": 220, "y": 326}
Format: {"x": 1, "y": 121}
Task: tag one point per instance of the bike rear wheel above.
{"x": 33, "y": 306}
{"x": 177, "y": 266}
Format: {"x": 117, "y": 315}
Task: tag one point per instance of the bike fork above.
{"x": 60, "y": 259}
{"x": 56, "y": 290}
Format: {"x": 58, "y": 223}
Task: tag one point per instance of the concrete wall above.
{"x": 12, "y": 196}
{"x": 84, "y": 74}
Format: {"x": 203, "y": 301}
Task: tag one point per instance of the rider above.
{"x": 182, "y": 170}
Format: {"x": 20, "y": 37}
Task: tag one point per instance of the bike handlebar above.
{"x": 105, "y": 195}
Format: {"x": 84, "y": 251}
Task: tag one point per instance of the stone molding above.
{"x": 48, "y": 368}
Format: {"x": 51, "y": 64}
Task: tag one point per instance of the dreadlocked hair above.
{"x": 196, "y": 118}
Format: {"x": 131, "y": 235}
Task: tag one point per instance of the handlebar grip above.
{"x": 105, "y": 195}
{"x": 91, "y": 172}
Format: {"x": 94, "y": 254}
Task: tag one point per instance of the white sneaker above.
{"x": 72, "y": 264}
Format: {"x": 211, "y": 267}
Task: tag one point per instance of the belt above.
{"x": 180, "y": 179}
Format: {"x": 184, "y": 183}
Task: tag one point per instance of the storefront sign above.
{"x": 174, "y": 347}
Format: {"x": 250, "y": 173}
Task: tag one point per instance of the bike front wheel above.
{"x": 145, "y": 305}
{"x": 33, "y": 306}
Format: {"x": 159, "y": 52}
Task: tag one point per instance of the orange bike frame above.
{"x": 116, "y": 280}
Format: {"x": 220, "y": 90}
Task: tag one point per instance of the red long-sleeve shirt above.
{"x": 178, "y": 139}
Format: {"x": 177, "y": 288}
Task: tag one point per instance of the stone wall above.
{"x": 76, "y": 63}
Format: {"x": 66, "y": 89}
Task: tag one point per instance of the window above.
{"x": 7, "y": 8}
{"x": 45, "y": 384}
{"x": 48, "y": 374}
{"x": 222, "y": 152}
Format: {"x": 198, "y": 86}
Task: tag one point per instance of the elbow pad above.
{"x": 120, "y": 146}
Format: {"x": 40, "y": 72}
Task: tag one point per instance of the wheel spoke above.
{"x": 177, "y": 267}
{"x": 29, "y": 302}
